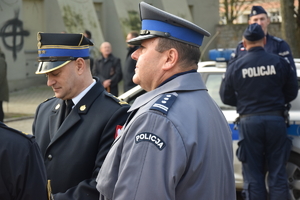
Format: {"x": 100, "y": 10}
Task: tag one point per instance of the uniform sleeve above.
{"x": 87, "y": 188}
{"x": 286, "y": 52}
{"x": 150, "y": 167}
{"x": 227, "y": 92}
{"x": 290, "y": 88}
{"x": 31, "y": 174}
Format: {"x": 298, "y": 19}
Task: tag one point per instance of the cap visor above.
{"x": 138, "y": 40}
{"x": 46, "y": 67}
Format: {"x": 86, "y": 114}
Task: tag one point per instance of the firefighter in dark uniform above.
{"x": 74, "y": 145}
{"x": 22, "y": 170}
{"x": 260, "y": 84}
{"x": 274, "y": 44}
{"x": 176, "y": 144}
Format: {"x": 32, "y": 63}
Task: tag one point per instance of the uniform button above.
{"x": 49, "y": 157}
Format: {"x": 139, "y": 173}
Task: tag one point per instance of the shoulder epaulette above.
{"x": 277, "y": 39}
{"x": 164, "y": 103}
{"x": 115, "y": 98}
{"x": 49, "y": 99}
{"x": 26, "y": 135}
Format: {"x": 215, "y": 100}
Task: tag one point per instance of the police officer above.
{"x": 273, "y": 44}
{"x": 22, "y": 171}
{"x": 259, "y": 84}
{"x": 176, "y": 144}
{"x": 74, "y": 139}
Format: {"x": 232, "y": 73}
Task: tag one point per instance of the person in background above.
{"x": 4, "y": 94}
{"x": 88, "y": 35}
{"x": 76, "y": 128}
{"x": 108, "y": 69}
{"x": 22, "y": 170}
{"x": 273, "y": 44}
{"x": 176, "y": 143}
{"x": 129, "y": 63}
{"x": 260, "y": 84}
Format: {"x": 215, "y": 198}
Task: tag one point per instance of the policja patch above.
{"x": 150, "y": 137}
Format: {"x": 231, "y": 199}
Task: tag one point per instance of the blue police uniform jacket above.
{"x": 274, "y": 45}
{"x": 75, "y": 150}
{"x": 22, "y": 170}
{"x": 259, "y": 82}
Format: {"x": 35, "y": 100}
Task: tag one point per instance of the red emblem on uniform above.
{"x": 118, "y": 129}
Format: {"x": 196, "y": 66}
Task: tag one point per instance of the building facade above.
{"x": 107, "y": 20}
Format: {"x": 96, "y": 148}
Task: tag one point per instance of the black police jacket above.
{"x": 74, "y": 152}
{"x": 22, "y": 171}
{"x": 259, "y": 82}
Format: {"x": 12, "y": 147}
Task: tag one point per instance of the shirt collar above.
{"x": 79, "y": 97}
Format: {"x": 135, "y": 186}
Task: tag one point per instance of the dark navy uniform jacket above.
{"x": 74, "y": 151}
{"x": 274, "y": 45}
{"x": 22, "y": 170}
{"x": 259, "y": 82}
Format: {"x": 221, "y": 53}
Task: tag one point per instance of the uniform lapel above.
{"x": 81, "y": 107}
{"x": 56, "y": 117}
{"x": 70, "y": 121}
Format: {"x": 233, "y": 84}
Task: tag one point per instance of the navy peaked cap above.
{"x": 158, "y": 23}
{"x": 254, "y": 32}
{"x": 256, "y": 10}
{"x": 55, "y": 50}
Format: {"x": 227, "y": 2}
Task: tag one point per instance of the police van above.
{"x": 212, "y": 72}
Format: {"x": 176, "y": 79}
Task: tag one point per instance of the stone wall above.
{"x": 228, "y": 36}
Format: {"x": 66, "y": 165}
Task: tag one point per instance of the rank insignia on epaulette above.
{"x": 164, "y": 103}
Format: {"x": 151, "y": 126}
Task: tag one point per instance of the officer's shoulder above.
{"x": 164, "y": 103}
{"x": 277, "y": 39}
{"x": 49, "y": 99}
{"x": 14, "y": 132}
{"x": 114, "y": 98}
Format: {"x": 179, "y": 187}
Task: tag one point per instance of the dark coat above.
{"x": 259, "y": 74}
{"x": 22, "y": 171}
{"x": 74, "y": 152}
{"x": 109, "y": 69}
{"x": 129, "y": 69}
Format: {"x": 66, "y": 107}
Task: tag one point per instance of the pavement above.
{"x": 19, "y": 111}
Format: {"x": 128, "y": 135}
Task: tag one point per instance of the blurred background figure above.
{"x": 108, "y": 69}
{"x": 3, "y": 83}
{"x": 88, "y": 35}
{"x": 129, "y": 63}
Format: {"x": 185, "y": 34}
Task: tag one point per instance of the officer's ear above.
{"x": 171, "y": 58}
{"x": 265, "y": 40}
{"x": 244, "y": 43}
{"x": 80, "y": 65}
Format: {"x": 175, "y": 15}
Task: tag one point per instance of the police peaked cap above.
{"x": 55, "y": 50}
{"x": 254, "y": 32}
{"x": 158, "y": 23}
{"x": 256, "y": 10}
